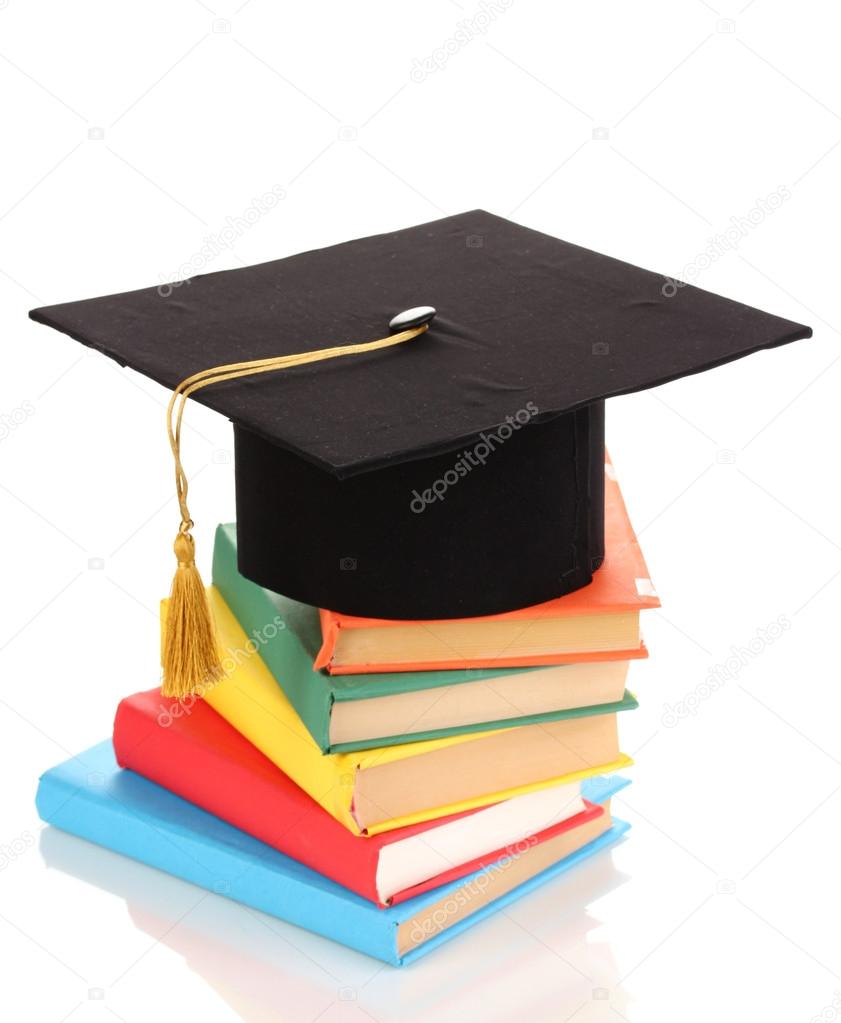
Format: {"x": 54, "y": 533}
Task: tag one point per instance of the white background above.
{"x": 130, "y": 134}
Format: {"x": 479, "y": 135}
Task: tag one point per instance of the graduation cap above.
{"x": 451, "y": 468}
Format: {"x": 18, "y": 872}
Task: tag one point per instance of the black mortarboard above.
{"x": 457, "y": 474}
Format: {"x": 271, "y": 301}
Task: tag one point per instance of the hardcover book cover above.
{"x": 621, "y": 586}
{"x": 288, "y": 635}
{"x": 250, "y": 700}
{"x": 197, "y": 755}
{"x": 128, "y": 814}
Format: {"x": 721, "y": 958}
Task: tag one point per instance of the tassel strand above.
{"x": 191, "y": 658}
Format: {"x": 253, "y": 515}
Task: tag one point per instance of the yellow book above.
{"x": 376, "y": 790}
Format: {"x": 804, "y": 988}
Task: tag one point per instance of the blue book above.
{"x": 92, "y": 797}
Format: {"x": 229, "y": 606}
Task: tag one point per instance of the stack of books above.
{"x": 384, "y": 783}
{"x": 390, "y": 782}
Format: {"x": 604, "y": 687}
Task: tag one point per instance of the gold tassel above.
{"x": 190, "y": 655}
{"x": 191, "y": 659}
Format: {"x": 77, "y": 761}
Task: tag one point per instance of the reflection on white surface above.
{"x": 535, "y": 960}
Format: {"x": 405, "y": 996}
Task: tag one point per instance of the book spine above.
{"x": 309, "y": 694}
{"x": 212, "y": 766}
{"x": 329, "y": 635}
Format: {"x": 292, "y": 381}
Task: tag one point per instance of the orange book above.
{"x": 599, "y": 622}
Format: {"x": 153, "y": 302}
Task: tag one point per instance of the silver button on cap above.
{"x": 409, "y": 318}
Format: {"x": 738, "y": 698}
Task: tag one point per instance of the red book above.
{"x": 193, "y": 752}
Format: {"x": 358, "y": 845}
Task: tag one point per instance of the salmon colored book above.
{"x": 599, "y": 622}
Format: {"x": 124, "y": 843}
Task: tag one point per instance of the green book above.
{"x": 351, "y": 712}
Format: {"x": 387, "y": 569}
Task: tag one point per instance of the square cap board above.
{"x": 459, "y": 473}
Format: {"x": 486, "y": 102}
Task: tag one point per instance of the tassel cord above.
{"x": 190, "y": 655}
